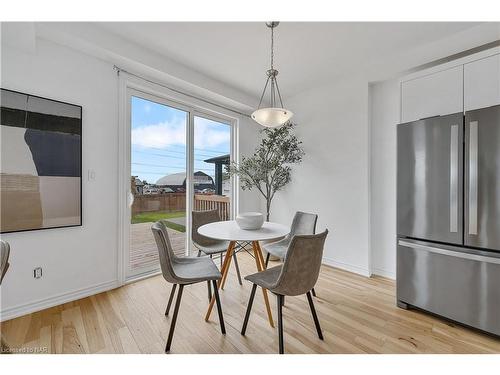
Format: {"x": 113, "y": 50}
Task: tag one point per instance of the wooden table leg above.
{"x": 261, "y": 257}
{"x": 260, "y": 267}
{"x": 224, "y": 270}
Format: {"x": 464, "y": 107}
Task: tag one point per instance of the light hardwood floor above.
{"x": 357, "y": 314}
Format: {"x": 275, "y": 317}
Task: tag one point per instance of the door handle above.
{"x": 130, "y": 198}
{"x": 454, "y": 179}
{"x": 456, "y": 254}
{"x": 473, "y": 173}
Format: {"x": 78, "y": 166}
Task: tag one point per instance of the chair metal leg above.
{"x": 280, "y": 323}
{"x": 267, "y": 259}
{"x": 219, "y": 308}
{"x": 209, "y": 287}
{"x": 315, "y": 316}
{"x": 170, "y": 299}
{"x": 174, "y": 318}
{"x": 249, "y": 308}
{"x": 237, "y": 268}
{"x": 313, "y": 292}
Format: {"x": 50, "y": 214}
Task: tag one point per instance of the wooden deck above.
{"x": 143, "y": 250}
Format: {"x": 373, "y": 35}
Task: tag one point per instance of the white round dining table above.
{"x": 230, "y": 231}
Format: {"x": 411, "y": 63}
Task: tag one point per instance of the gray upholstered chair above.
{"x": 303, "y": 223}
{"x": 182, "y": 271}
{"x": 210, "y": 246}
{"x": 4, "y": 258}
{"x": 296, "y": 276}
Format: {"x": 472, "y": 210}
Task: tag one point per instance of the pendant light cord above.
{"x": 271, "y": 75}
{"x": 272, "y": 48}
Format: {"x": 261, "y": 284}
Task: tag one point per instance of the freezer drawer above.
{"x": 430, "y": 179}
{"x": 460, "y": 285}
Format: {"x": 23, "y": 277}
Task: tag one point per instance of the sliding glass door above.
{"x": 178, "y": 163}
{"x": 158, "y": 154}
{"x": 212, "y": 188}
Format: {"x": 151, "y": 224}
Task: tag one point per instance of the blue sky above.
{"x": 159, "y": 140}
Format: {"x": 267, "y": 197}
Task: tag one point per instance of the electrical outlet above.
{"x": 37, "y": 273}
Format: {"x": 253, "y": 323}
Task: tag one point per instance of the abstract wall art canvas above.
{"x": 40, "y": 163}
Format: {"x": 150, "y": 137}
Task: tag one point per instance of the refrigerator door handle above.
{"x": 473, "y": 174}
{"x": 457, "y": 254}
{"x": 454, "y": 165}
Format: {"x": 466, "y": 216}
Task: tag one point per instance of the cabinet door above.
{"x": 435, "y": 94}
{"x": 482, "y": 83}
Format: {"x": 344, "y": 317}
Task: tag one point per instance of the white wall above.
{"x": 83, "y": 260}
{"x": 73, "y": 259}
{"x": 332, "y": 180}
{"x": 384, "y": 116}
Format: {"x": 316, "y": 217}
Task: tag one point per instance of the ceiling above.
{"x": 306, "y": 54}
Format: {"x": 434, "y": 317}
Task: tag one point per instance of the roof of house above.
{"x": 172, "y": 179}
{"x": 177, "y": 179}
{"x": 223, "y": 159}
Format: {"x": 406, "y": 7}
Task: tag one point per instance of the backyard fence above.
{"x": 159, "y": 202}
{"x": 171, "y": 202}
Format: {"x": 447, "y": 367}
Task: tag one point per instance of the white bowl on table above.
{"x": 250, "y": 220}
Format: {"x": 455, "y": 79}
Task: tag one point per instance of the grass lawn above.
{"x": 150, "y": 217}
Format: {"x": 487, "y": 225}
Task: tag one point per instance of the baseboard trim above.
{"x": 384, "y": 273}
{"x": 346, "y": 266}
{"x": 142, "y": 276}
{"x": 45, "y": 303}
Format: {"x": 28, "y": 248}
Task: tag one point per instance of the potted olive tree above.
{"x": 269, "y": 168}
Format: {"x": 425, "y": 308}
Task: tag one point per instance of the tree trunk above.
{"x": 268, "y": 208}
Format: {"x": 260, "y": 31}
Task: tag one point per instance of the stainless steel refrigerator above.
{"x": 448, "y": 217}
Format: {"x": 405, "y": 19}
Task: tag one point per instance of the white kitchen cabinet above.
{"x": 439, "y": 93}
{"x": 482, "y": 83}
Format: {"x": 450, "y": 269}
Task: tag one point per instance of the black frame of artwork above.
{"x": 81, "y": 163}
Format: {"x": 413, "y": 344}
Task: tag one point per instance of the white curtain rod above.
{"x": 118, "y": 70}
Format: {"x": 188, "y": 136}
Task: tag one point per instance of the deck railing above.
{"x": 204, "y": 202}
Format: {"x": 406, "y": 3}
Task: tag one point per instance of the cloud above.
{"x": 159, "y": 135}
{"x": 208, "y": 134}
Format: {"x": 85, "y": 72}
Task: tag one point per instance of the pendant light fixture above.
{"x": 275, "y": 115}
